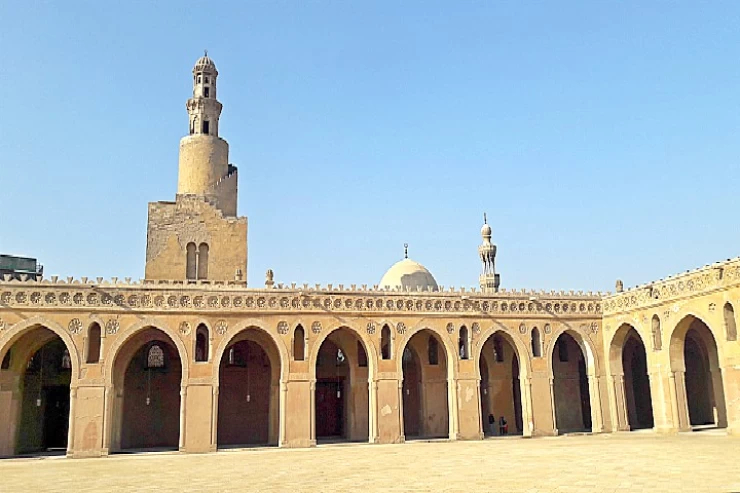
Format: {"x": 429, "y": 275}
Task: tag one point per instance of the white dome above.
{"x": 409, "y": 274}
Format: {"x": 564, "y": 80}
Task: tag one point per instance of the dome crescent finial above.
{"x": 485, "y": 221}
{"x": 405, "y": 250}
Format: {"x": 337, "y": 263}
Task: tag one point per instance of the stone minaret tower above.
{"x": 204, "y": 156}
{"x": 199, "y": 236}
{"x": 489, "y": 280}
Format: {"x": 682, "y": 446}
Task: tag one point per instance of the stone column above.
{"x": 183, "y": 398}
{"x": 525, "y": 385}
{"x": 214, "y": 419}
{"x": 72, "y": 419}
{"x": 680, "y": 405}
{"x": 618, "y": 402}
{"x": 373, "y": 410}
{"x": 597, "y": 416}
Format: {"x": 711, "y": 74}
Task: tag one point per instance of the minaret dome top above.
{"x": 205, "y": 64}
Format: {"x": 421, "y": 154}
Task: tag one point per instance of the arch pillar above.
{"x": 597, "y": 415}
{"x": 543, "y": 404}
{"x": 466, "y": 401}
{"x": 198, "y": 412}
{"x": 731, "y": 379}
{"x": 389, "y": 408}
{"x": 618, "y": 403}
{"x": 525, "y": 383}
{"x": 679, "y": 400}
{"x": 10, "y": 408}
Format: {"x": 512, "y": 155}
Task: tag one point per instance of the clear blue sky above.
{"x": 602, "y": 138}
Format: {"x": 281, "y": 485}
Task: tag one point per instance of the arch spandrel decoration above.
{"x": 510, "y": 335}
{"x": 11, "y": 334}
{"x": 371, "y": 351}
{"x": 251, "y": 324}
{"x": 124, "y": 336}
{"x": 593, "y": 365}
{"x": 439, "y": 329}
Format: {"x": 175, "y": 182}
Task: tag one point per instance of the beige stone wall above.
{"x": 376, "y": 410}
{"x": 172, "y": 225}
{"x": 678, "y": 303}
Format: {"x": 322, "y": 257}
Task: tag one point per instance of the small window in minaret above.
{"x": 206, "y": 91}
{"x": 206, "y": 79}
{"x": 205, "y": 127}
{"x": 199, "y": 79}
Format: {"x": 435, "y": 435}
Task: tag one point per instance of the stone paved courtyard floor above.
{"x": 637, "y": 462}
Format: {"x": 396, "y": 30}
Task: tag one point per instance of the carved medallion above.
{"x": 221, "y": 327}
{"x": 75, "y": 326}
{"x": 111, "y": 326}
{"x": 316, "y": 327}
{"x": 185, "y": 328}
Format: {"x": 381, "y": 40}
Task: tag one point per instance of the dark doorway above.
{"x": 56, "y": 417}
{"x": 342, "y": 393}
{"x": 411, "y": 394}
{"x": 151, "y": 398}
{"x": 570, "y": 386}
{"x": 636, "y": 383}
{"x": 244, "y": 396}
{"x": 425, "y": 391}
{"x": 329, "y": 408}
{"x": 698, "y": 381}
{"x": 45, "y": 406}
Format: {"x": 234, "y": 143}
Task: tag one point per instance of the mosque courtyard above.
{"x": 635, "y": 462}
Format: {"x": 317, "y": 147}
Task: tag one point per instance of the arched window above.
{"x": 730, "y": 327}
{"x": 562, "y": 350}
{"x": 361, "y": 355}
{"x": 6, "y": 361}
{"x": 299, "y": 343}
{"x": 463, "y": 343}
{"x": 433, "y": 348}
{"x": 657, "y": 337}
{"x": 498, "y": 350}
{"x": 155, "y": 357}
{"x": 93, "y": 343}
{"x": 203, "y": 261}
{"x": 201, "y": 343}
{"x": 385, "y": 342}
{"x": 190, "y": 265}
{"x": 536, "y": 343}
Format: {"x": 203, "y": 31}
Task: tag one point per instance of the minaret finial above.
{"x": 485, "y": 221}
{"x": 205, "y": 52}
{"x": 405, "y": 250}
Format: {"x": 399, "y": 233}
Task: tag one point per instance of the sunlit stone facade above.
{"x": 192, "y": 359}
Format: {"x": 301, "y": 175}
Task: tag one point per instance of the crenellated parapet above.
{"x": 690, "y": 284}
{"x": 199, "y": 296}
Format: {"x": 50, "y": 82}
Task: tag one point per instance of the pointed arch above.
{"x": 730, "y": 325}
{"x": 93, "y": 343}
{"x": 536, "y": 343}
{"x": 299, "y": 343}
